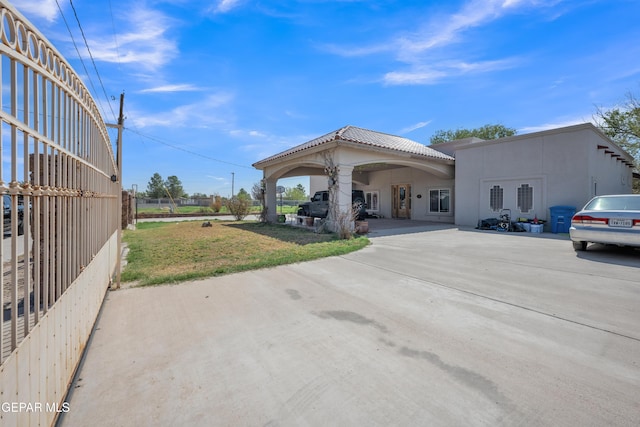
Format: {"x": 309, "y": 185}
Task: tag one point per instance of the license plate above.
{"x": 620, "y": 222}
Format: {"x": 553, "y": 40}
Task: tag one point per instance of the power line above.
{"x": 86, "y": 43}
{"x": 175, "y": 147}
{"x": 77, "y": 50}
{"x": 80, "y": 57}
{"x": 115, "y": 35}
{"x": 105, "y": 93}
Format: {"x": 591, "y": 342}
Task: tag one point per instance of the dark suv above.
{"x": 318, "y": 207}
{"x": 6, "y": 202}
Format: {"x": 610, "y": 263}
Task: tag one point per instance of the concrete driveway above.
{"x": 441, "y": 327}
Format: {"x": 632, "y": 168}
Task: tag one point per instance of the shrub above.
{"x": 344, "y": 222}
{"x": 239, "y": 207}
{"x": 217, "y": 203}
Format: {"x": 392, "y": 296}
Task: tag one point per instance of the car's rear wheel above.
{"x": 579, "y": 246}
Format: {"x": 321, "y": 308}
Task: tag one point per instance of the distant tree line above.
{"x": 159, "y": 188}
{"x": 484, "y": 132}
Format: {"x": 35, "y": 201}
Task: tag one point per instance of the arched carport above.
{"x": 349, "y": 156}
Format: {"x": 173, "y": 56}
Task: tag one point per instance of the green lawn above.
{"x": 161, "y": 252}
{"x": 209, "y": 211}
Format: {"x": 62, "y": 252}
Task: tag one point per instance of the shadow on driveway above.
{"x": 610, "y": 254}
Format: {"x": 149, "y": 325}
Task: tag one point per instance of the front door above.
{"x": 401, "y": 195}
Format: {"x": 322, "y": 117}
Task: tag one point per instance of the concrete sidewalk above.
{"x": 437, "y": 327}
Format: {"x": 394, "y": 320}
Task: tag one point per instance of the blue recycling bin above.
{"x": 561, "y": 218}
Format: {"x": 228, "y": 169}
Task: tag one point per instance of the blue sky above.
{"x": 214, "y": 86}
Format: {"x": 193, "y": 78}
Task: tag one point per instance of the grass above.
{"x": 207, "y": 210}
{"x": 161, "y": 252}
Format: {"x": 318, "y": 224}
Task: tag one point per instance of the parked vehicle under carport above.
{"x": 318, "y": 206}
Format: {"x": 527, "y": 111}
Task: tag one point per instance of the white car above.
{"x": 611, "y": 219}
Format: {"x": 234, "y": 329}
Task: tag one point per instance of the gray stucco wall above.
{"x": 561, "y": 165}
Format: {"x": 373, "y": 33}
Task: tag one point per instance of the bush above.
{"x": 239, "y": 207}
{"x": 217, "y": 204}
{"x": 344, "y": 224}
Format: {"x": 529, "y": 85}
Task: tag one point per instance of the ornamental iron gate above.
{"x": 61, "y": 202}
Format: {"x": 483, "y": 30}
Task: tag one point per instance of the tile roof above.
{"x": 365, "y": 137}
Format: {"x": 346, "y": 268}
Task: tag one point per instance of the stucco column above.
{"x": 271, "y": 200}
{"x": 342, "y": 196}
{"x": 345, "y": 185}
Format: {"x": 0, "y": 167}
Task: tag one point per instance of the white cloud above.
{"x": 46, "y": 9}
{"x": 438, "y": 71}
{"x": 262, "y": 144}
{"x": 555, "y": 125}
{"x": 241, "y": 133}
{"x": 424, "y": 49}
{"x": 416, "y": 126}
{"x": 225, "y": 6}
{"x": 171, "y": 88}
{"x": 439, "y": 31}
{"x": 295, "y": 114}
{"x": 358, "y": 51}
{"x": 142, "y": 41}
{"x": 202, "y": 114}
{"x": 444, "y": 30}
{"x": 413, "y": 77}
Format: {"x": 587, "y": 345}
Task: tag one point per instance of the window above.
{"x": 439, "y": 201}
{"x": 372, "y": 201}
{"x": 496, "y": 198}
{"x": 525, "y": 198}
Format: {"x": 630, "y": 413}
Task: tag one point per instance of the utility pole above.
{"x": 120, "y": 127}
{"x": 134, "y": 188}
{"x": 233, "y": 175}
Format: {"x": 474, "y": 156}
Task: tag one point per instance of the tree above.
{"x": 296, "y": 193}
{"x": 484, "y": 132}
{"x": 174, "y": 187}
{"x": 155, "y": 187}
{"x": 199, "y": 196}
{"x": 622, "y": 125}
{"x": 256, "y": 192}
{"x": 141, "y": 194}
{"x": 242, "y": 194}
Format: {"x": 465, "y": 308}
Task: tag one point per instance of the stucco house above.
{"x": 459, "y": 181}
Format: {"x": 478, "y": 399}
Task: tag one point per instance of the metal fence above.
{"x": 61, "y": 198}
